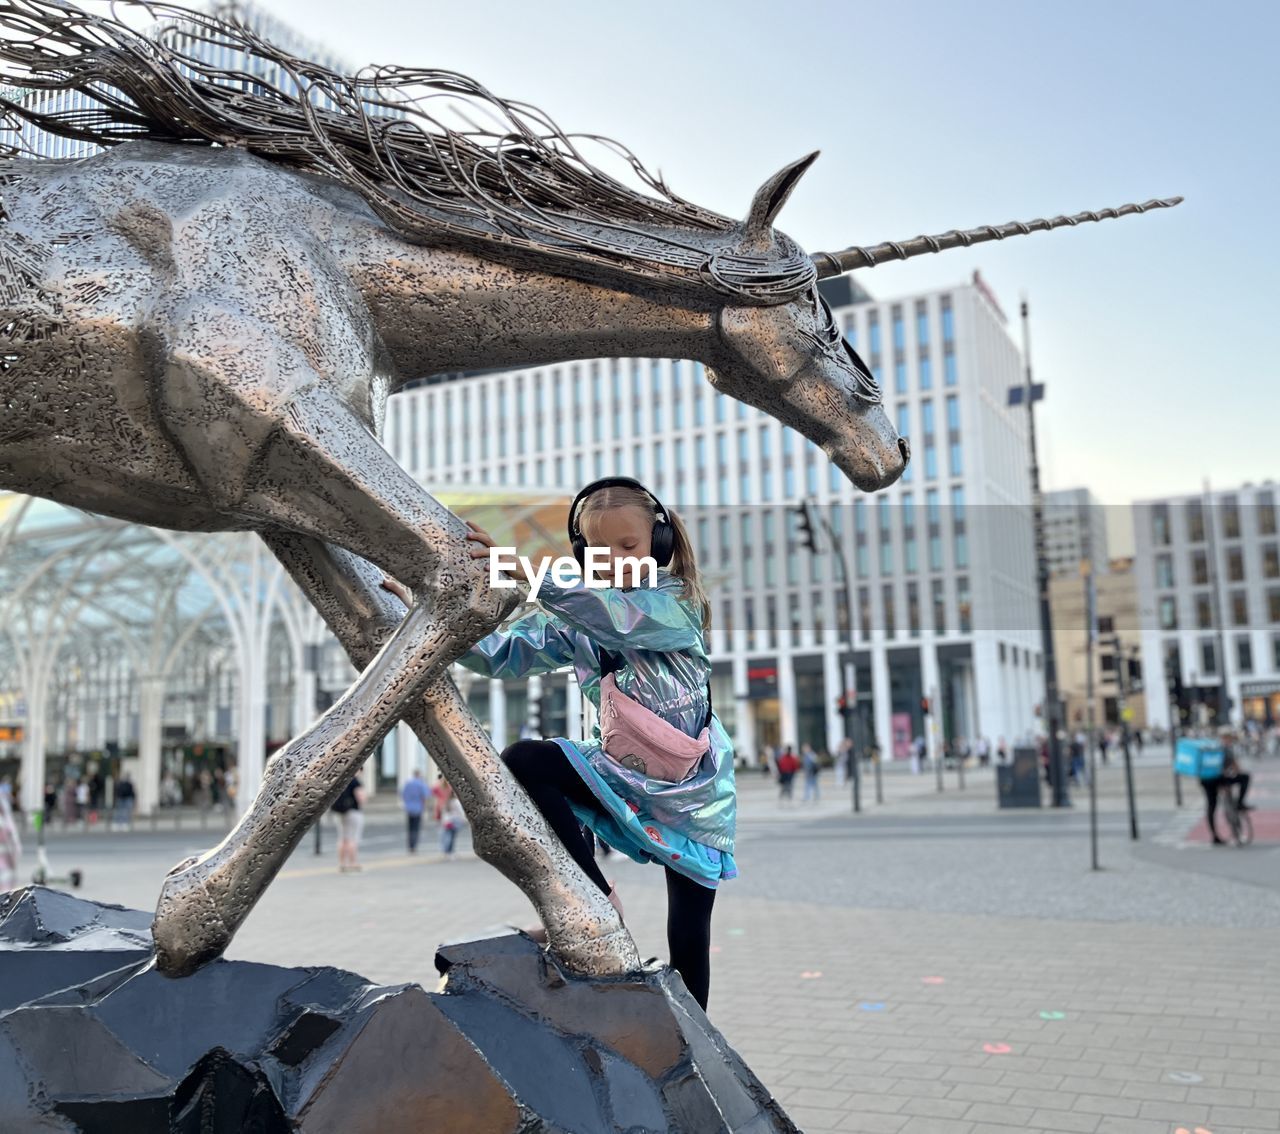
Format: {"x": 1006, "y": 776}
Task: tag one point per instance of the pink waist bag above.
{"x": 639, "y": 739}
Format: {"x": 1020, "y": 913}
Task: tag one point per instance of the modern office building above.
{"x": 1208, "y": 571}
{"x": 942, "y": 592}
{"x": 1075, "y": 529}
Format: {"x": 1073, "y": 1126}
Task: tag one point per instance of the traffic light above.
{"x": 806, "y": 526}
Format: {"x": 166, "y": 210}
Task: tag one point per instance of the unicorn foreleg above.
{"x": 509, "y": 831}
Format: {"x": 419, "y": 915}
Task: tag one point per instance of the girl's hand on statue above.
{"x": 483, "y": 541}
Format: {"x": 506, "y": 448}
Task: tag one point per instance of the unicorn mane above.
{"x": 520, "y": 189}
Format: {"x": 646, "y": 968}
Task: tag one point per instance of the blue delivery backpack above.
{"x": 1198, "y": 757}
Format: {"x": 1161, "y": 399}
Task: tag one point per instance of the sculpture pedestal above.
{"x": 93, "y": 1039}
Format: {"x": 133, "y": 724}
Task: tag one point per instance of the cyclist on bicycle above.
{"x": 1232, "y": 774}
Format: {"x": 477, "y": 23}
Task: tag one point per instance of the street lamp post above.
{"x": 1121, "y": 696}
{"x": 1030, "y": 393}
{"x": 848, "y": 671}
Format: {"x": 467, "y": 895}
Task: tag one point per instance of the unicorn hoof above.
{"x": 188, "y": 929}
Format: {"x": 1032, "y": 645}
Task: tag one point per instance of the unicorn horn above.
{"x": 837, "y": 263}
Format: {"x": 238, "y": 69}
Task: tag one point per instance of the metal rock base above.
{"x": 94, "y": 1039}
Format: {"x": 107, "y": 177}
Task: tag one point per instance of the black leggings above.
{"x": 1211, "y": 789}
{"x": 545, "y": 773}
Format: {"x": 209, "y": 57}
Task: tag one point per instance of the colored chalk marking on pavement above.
{"x": 871, "y": 1006}
{"x": 1053, "y": 1015}
{"x": 810, "y": 976}
{"x": 996, "y": 1048}
{"x": 934, "y": 980}
{"x": 1185, "y": 1077}
{"x": 1198, "y": 1130}
{"x": 715, "y": 948}
{"x": 736, "y": 932}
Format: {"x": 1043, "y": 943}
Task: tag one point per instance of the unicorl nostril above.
{"x": 905, "y": 449}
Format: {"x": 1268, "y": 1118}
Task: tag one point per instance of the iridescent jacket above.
{"x": 659, "y": 638}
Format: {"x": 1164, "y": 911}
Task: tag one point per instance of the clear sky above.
{"x": 1151, "y": 332}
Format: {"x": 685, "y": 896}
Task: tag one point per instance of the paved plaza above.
{"x": 933, "y": 965}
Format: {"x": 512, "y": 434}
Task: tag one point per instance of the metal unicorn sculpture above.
{"x": 201, "y": 326}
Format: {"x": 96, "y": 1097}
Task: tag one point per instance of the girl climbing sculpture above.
{"x": 201, "y": 325}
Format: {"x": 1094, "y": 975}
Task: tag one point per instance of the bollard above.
{"x": 879, "y": 783}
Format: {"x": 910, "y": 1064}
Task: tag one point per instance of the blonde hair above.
{"x": 684, "y": 563}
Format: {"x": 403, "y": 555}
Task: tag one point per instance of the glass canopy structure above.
{"x": 163, "y": 653}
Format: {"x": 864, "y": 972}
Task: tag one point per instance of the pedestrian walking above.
{"x": 844, "y": 753}
{"x": 347, "y": 810}
{"x": 414, "y": 797}
{"x": 634, "y": 647}
{"x": 918, "y": 750}
{"x": 1104, "y": 743}
{"x": 1077, "y": 757}
{"x": 82, "y": 801}
{"x": 10, "y": 840}
{"x": 984, "y": 752}
{"x": 449, "y": 815}
{"x": 125, "y": 798}
{"x": 809, "y": 762}
{"x": 788, "y": 764}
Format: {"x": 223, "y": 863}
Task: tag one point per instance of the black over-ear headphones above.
{"x": 663, "y": 542}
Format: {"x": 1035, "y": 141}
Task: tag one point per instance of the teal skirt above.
{"x": 625, "y": 826}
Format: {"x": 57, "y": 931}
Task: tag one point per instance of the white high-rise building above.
{"x": 943, "y": 590}
{"x": 1208, "y": 570}
{"x": 1075, "y": 528}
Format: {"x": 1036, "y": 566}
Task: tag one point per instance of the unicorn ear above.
{"x": 772, "y": 195}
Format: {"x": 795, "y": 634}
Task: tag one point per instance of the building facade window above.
{"x": 909, "y": 533}
{"x": 1244, "y": 655}
{"x": 930, "y": 451}
{"x": 1239, "y": 608}
{"x": 1271, "y": 561}
{"x": 886, "y": 603}
{"x": 817, "y": 611}
{"x": 964, "y": 607}
{"x": 1168, "y": 613}
{"x": 938, "y": 595}
{"x": 1204, "y": 613}
{"x": 1160, "y": 525}
{"x": 1195, "y": 521}
{"x": 1208, "y": 658}
{"x": 886, "y": 536}
{"x": 904, "y": 430}
{"x": 1266, "y": 511}
{"x": 1230, "y": 517}
{"x": 1235, "y": 565}
{"x": 959, "y": 527}
{"x": 1199, "y": 569}
{"x": 1164, "y": 571}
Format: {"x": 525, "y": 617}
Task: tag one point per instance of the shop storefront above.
{"x": 1260, "y": 701}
